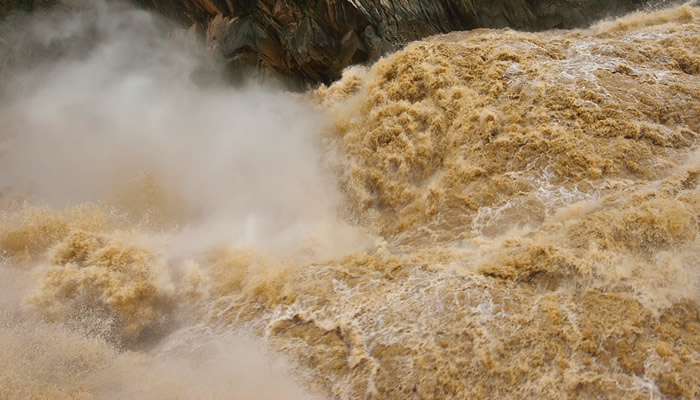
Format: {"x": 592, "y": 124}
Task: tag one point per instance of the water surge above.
{"x": 483, "y": 214}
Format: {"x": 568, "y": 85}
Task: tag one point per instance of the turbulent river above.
{"x": 484, "y": 214}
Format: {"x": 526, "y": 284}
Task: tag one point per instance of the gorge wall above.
{"x": 306, "y": 42}
{"x": 312, "y": 41}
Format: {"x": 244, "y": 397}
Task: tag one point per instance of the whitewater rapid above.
{"x": 484, "y": 214}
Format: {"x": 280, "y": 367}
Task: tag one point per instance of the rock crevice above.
{"x": 312, "y": 41}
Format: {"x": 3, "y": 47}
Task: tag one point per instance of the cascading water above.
{"x": 484, "y": 214}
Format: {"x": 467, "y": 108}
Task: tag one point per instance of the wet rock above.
{"x": 311, "y": 41}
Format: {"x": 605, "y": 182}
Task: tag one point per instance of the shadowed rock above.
{"x": 305, "y": 42}
{"x": 312, "y": 41}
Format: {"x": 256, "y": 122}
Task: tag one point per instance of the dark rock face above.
{"x": 11, "y": 6}
{"x": 310, "y": 41}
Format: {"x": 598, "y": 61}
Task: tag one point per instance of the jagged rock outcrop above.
{"x": 310, "y": 41}
{"x": 305, "y": 42}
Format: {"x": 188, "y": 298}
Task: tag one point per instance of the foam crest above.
{"x": 481, "y": 214}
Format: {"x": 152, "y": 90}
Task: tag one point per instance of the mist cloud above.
{"x": 112, "y": 110}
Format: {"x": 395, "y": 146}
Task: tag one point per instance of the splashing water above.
{"x": 481, "y": 214}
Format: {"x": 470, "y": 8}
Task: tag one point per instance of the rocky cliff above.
{"x": 310, "y": 41}
{"x": 305, "y": 42}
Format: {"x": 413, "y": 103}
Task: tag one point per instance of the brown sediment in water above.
{"x": 536, "y": 198}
